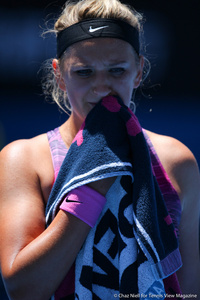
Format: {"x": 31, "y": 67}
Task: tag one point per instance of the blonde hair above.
{"x": 74, "y": 13}
{"x": 87, "y": 9}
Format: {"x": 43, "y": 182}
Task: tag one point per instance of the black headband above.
{"x": 95, "y": 28}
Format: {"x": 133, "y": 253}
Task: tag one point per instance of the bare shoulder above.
{"x": 178, "y": 161}
{"x": 28, "y": 158}
{"x": 24, "y": 153}
{"x": 23, "y": 146}
{"x": 171, "y": 148}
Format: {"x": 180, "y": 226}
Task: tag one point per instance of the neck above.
{"x": 69, "y": 129}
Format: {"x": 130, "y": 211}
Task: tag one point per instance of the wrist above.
{"x": 85, "y": 203}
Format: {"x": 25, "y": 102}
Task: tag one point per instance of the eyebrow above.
{"x": 111, "y": 64}
{"x": 115, "y": 63}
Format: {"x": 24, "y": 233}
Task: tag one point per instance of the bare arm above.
{"x": 33, "y": 260}
{"x": 183, "y": 171}
{"x": 189, "y": 182}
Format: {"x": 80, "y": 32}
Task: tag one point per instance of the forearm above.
{"x": 188, "y": 275}
{"x": 39, "y": 268}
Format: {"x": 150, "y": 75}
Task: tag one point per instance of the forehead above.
{"x": 101, "y": 48}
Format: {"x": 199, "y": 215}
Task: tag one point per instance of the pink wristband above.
{"x": 84, "y": 203}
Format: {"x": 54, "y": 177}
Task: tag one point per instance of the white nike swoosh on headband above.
{"x": 97, "y": 28}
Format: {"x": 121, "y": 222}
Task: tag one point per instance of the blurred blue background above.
{"x": 169, "y": 102}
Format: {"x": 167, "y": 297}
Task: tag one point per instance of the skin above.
{"x": 32, "y": 256}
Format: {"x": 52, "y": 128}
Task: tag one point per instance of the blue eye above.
{"x": 117, "y": 71}
{"x": 84, "y": 72}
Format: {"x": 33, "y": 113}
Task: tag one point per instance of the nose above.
{"x": 101, "y": 85}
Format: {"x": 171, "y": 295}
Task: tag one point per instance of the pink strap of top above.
{"x": 58, "y": 149}
{"x": 169, "y": 193}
